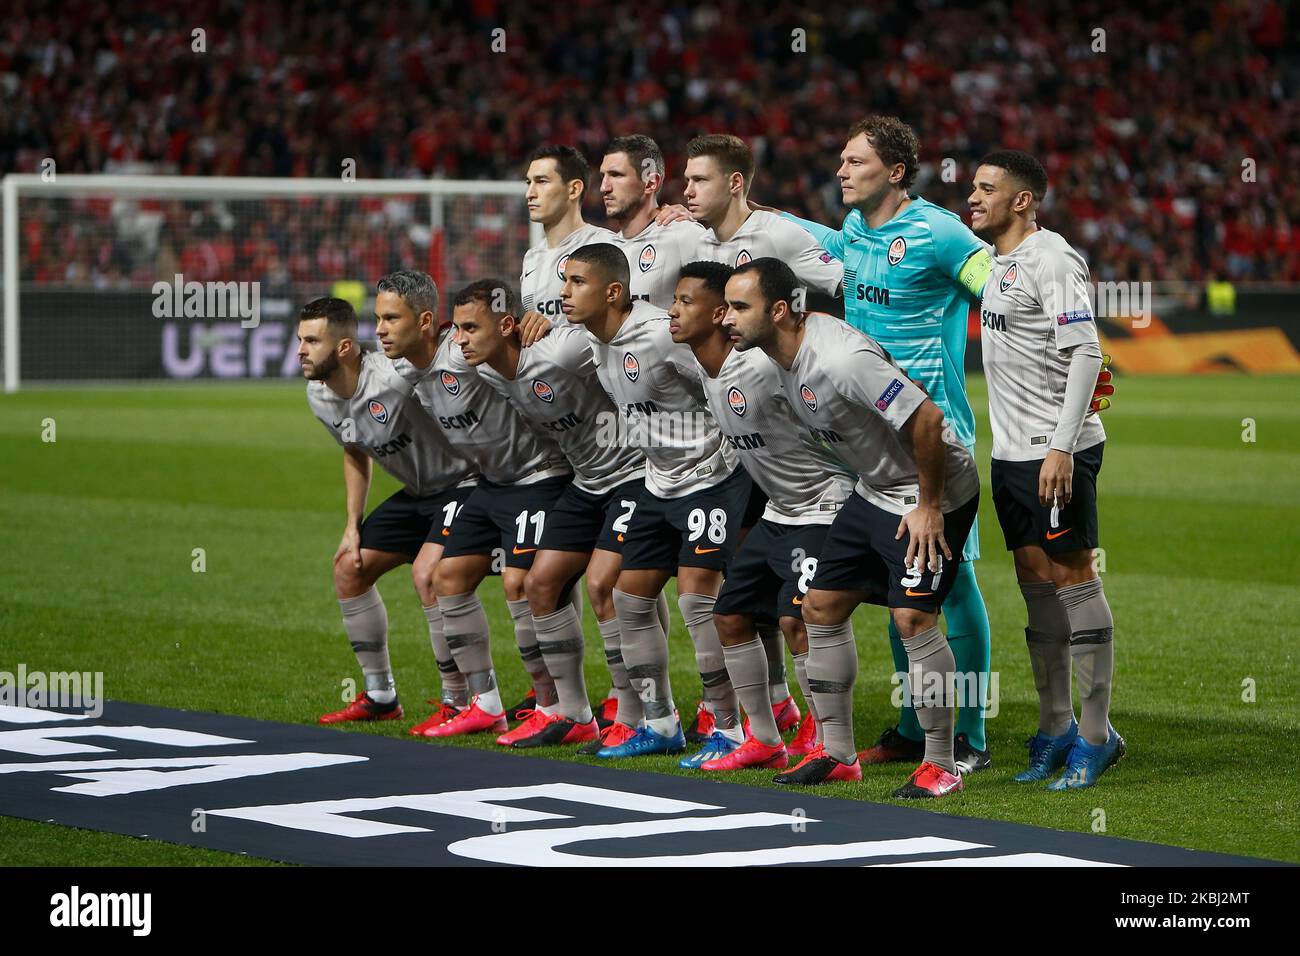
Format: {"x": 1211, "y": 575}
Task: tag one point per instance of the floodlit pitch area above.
{"x": 101, "y": 526}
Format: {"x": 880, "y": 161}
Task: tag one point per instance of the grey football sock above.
{"x": 747, "y": 665}
{"x": 454, "y": 689}
{"x": 365, "y": 619}
{"x": 661, "y": 610}
{"x": 1048, "y": 638}
{"x": 1092, "y": 649}
{"x": 645, "y": 652}
{"x": 531, "y": 654}
{"x": 466, "y": 628}
{"x": 774, "y": 649}
{"x": 801, "y": 678}
{"x": 697, "y": 612}
{"x": 832, "y": 670}
{"x": 630, "y": 711}
{"x": 930, "y": 667}
{"x": 559, "y": 636}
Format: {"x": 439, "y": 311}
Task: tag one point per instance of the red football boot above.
{"x": 444, "y": 713}
{"x": 786, "y": 714}
{"x": 805, "y": 739}
{"x": 702, "y": 726}
{"x": 819, "y": 767}
{"x": 363, "y": 708}
{"x": 472, "y": 720}
{"x": 752, "y": 754}
{"x": 929, "y": 781}
{"x": 606, "y": 712}
{"x": 532, "y": 720}
{"x": 553, "y": 730}
{"x": 614, "y": 735}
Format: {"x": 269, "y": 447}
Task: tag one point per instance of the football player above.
{"x": 1041, "y": 357}
{"x": 372, "y": 412}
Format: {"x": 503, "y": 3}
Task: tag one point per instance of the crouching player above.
{"x": 1041, "y": 357}
{"x": 372, "y": 412}
{"x": 894, "y": 540}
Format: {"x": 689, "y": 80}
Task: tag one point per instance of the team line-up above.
{"x": 824, "y": 462}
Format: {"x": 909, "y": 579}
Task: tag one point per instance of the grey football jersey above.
{"x": 803, "y": 481}
{"x": 656, "y": 256}
{"x": 655, "y": 383}
{"x": 766, "y": 234}
{"x": 480, "y": 423}
{"x": 1035, "y": 309}
{"x": 384, "y": 419}
{"x": 542, "y": 277}
{"x": 555, "y": 387}
{"x": 855, "y": 399}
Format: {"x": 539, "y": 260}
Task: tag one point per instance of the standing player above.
{"x": 553, "y": 384}
{"x": 631, "y": 175}
{"x": 909, "y": 266}
{"x": 373, "y": 413}
{"x": 1041, "y": 357}
{"x": 917, "y": 492}
{"x": 522, "y": 474}
{"x": 688, "y": 517}
{"x": 557, "y": 179}
{"x": 804, "y": 485}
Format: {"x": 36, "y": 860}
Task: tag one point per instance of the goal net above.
{"x": 152, "y": 278}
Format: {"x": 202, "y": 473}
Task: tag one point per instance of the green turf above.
{"x": 97, "y": 532}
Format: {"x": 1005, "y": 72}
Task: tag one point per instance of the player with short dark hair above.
{"x": 917, "y": 490}
{"x": 688, "y": 517}
{"x": 371, "y": 410}
{"x": 1041, "y": 358}
{"x": 553, "y": 385}
{"x": 804, "y": 486}
{"x": 557, "y": 178}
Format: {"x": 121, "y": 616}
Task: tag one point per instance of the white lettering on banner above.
{"x": 228, "y": 350}
{"x": 325, "y": 816}
{"x": 540, "y": 847}
{"x": 114, "y": 778}
{"x": 41, "y": 742}
{"x": 33, "y": 715}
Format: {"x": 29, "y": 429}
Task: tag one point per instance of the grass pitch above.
{"x": 98, "y": 531}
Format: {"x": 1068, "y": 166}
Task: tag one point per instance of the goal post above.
{"x": 140, "y": 278}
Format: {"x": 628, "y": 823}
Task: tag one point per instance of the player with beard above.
{"x": 917, "y": 491}
{"x": 372, "y": 412}
{"x": 770, "y": 574}
{"x": 553, "y": 385}
{"x": 1041, "y": 357}
{"x": 688, "y": 517}
{"x": 557, "y": 178}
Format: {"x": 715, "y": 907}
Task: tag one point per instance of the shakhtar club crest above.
{"x": 736, "y": 399}
{"x": 809, "y": 397}
{"x": 451, "y": 383}
{"x": 378, "y": 412}
{"x": 1009, "y": 277}
{"x": 897, "y": 249}
{"x": 631, "y": 367}
{"x": 647, "y": 260}
{"x": 543, "y": 391}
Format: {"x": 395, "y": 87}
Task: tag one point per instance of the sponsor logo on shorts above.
{"x": 559, "y": 266}
{"x": 631, "y": 367}
{"x": 743, "y": 257}
{"x": 911, "y": 593}
{"x": 889, "y": 394}
{"x": 378, "y": 412}
{"x": 519, "y": 550}
{"x": 543, "y": 391}
{"x": 1079, "y": 315}
{"x": 796, "y": 600}
{"x": 1009, "y": 277}
{"x": 736, "y": 399}
{"x": 809, "y": 397}
{"x": 647, "y": 260}
{"x": 1052, "y": 536}
{"x": 897, "y": 249}
{"x": 451, "y": 383}
{"x": 699, "y": 550}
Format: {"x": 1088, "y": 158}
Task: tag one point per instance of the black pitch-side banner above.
{"x": 308, "y": 794}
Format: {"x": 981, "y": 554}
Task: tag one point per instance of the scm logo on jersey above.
{"x": 543, "y": 391}
{"x": 809, "y": 397}
{"x": 631, "y": 367}
{"x": 647, "y": 260}
{"x": 1008, "y": 278}
{"x": 378, "y": 412}
{"x": 897, "y": 249}
{"x": 736, "y": 399}
{"x": 451, "y": 383}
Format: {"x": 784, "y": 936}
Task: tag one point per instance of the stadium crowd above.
{"x": 1167, "y": 131}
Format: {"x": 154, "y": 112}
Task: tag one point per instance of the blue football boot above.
{"x": 1087, "y": 762}
{"x": 716, "y": 745}
{"x": 1048, "y": 754}
{"x": 645, "y": 742}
